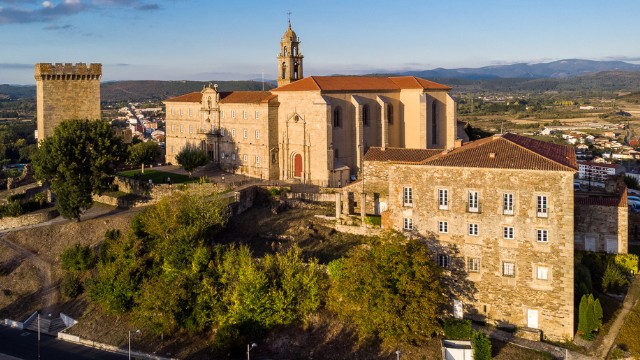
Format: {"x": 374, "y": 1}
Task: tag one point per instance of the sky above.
{"x": 239, "y": 39}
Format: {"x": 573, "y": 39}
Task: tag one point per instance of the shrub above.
{"x": 628, "y": 263}
{"x": 71, "y": 285}
{"x": 589, "y": 317}
{"x": 78, "y": 258}
{"x": 613, "y": 279}
{"x": 481, "y": 346}
{"x": 373, "y": 220}
{"x": 457, "y": 329}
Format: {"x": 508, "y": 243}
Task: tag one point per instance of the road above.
{"x": 20, "y": 344}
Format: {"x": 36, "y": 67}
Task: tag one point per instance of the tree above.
{"x": 78, "y": 160}
{"x": 391, "y": 290}
{"x": 143, "y": 153}
{"x": 589, "y": 316}
{"x": 190, "y": 157}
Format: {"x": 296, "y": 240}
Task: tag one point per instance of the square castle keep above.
{"x": 64, "y": 92}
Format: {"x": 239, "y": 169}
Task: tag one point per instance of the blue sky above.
{"x": 223, "y": 40}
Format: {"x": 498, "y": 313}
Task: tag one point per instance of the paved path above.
{"x": 627, "y": 305}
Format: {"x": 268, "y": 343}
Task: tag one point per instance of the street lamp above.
{"x": 398, "y": 354}
{"x": 137, "y": 332}
{"x": 249, "y": 348}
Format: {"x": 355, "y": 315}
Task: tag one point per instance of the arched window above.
{"x": 434, "y": 123}
{"x": 365, "y": 115}
{"x": 295, "y": 50}
{"x": 284, "y": 70}
{"x": 390, "y": 114}
{"x": 285, "y": 51}
{"x": 209, "y": 103}
{"x": 295, "y": 70}
{"x": 337, "y": 117}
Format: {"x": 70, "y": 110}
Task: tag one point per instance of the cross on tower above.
{"x": 289, "y": 17}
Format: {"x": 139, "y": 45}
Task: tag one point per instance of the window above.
{"x": 244, "y": 114}
{"x": 390, "y": 114}
{"x": 221, "y": 114}
{"x": 190, "y": 112}
{"x": 443, "y": 260}
{"x": 257, "y": 134}
{"x": 543, "y": 236}
{"x": 222, "y": 132}
{"x": 245, "y": 157}
{"x": 508, "y": 269}
{"x": 180, "y": 112}
{"x": 222, "y": 155}
{"x": 181, "y": 128}
{"x": 233, "y": 132}
{"x": 190, "y": 129}
{"x": 337, "y": 117}
{"x": 257, "y": 159}
{"x": 507, "y": 233}
{"x": 434, "y": 123}
{"x": 443, "y": 227}
{"x": 173, "y": 127}
{"x": 507, "y": 204}
{"x": 335, "y": 153}
{"x": 233, "y": 114}
{"x": 542, "y": 273}
{"x": 443, "y": 199}
{"x": 245, "y": 134}
{"x": 407, "y": 198}
{"x": 257, "y": 115}
{"x": 542, "y": 206}
{"x": 365, "y": 115}
{"x": 473, "y": 265}
{"x": 233, "y": 156}
{"x": 408, "y": 224}
{"x": 172, "y": 113}
{"x": 473, "y": 229}
{"x": 473, "y": 201}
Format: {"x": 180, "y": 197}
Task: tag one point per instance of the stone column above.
{"x": 384, "y": 124}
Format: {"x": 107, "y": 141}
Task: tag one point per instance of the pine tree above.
{"x": 582, "y": 315}
{"x": 597, "y": 312}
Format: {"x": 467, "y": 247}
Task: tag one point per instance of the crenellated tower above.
{"x": 290, "y": 58}
{"x": 64, "y": 92}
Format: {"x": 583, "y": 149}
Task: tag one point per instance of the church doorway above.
{"x": 297, "y": 161}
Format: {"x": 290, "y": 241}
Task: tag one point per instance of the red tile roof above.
{"x": 399, "y": 155}
{"x": 228, "y": 97}
{"x": 361, "y": 83}
{"x": 509, "y": 151}
{"x": 613, "y": 201}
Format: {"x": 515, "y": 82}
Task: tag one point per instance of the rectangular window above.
{"x": 473, "y": 201}
{"x": 222, "y": 132}
{"x": 507, "y": 233}
{"x": 508, "y": 269}
{"x": 233, "y": 156}
{"x": 542, "y": 273}
{"x": 245, "y": 134}
{"x": 473, "y": 265}
{"x": 507, "y": 204}
{"x": 257, "y": 134}
{"x": 407, "y": 198}
{"x": 443, "y": 260}
{"x": 181, "y": 128}
{"x": 190, "y": 112}
{"x": 180, "y": 112}
{"x": 173, "y": 127}
{"x": 443, "y": 199}
{"x": 244, "y": 114}
{"x": 473, "y": 229}
{"x": 233, "y": 114}
{"x": 245, "y": 158}
{"x": 190, "y": 129}
{"x": 443, "y": 227}
{"x": 172, "y": 112}
{"x": 221, "y": 114}
{"x": 542, "y": 205}
{"x": 257, "y": 115}
{"x": 543, "y": 236}
{"x": 233, "y": 132}
{"x": 257, "y": 159}
{"x": 407, "y": 224}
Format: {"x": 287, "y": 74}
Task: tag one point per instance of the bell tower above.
{"x": 290, "y": 58}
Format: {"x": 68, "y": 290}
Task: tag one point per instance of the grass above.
{"x": 628, "y": 338}
{"x": 158, "y": 177}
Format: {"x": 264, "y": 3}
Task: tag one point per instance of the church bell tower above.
{"x": 290, "y": 58}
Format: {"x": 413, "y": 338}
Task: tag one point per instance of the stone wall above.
{"x": 28, "y": 219}
{"x": 602, "y": 228}
{"x": 513, "y": 298}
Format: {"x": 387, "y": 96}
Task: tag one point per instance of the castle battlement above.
{"x": 68, "y": 71}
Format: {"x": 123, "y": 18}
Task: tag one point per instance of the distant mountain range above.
{"x": 572, "y": 75}
{"x": 555, "y": 69}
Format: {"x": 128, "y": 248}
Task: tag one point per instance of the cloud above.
{"x": 14, "y": 66}
{"x": 59, "y": 27}
{"x": 28, "y": 11}
{"x": 623, "y": 58}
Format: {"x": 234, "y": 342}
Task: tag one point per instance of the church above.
{"x": 314, "y": 129}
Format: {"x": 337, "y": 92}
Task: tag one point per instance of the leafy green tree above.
{"x": 390, "y": 290}
{"x": 190, "y": 157}
{"x": 78, "y": 258}
{"x": 143, "y": 153}
{"x": 481, "y": 346}
{"x": 589, "y": 316}
{"x": 78, "y": 160}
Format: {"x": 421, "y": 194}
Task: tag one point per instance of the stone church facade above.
{"x": 314, "y": 129}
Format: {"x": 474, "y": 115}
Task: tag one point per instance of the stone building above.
{"x": 315, "y": 129}
{"x": 506, "y": 205}
{"x": 64, "y": 92}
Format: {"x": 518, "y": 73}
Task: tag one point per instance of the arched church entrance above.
{"x": 297, "y": 165}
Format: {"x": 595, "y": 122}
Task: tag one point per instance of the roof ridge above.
{"x": 463, "y": 148}
{"x": 534, "y": 152}
{"x": 316, "y": 82}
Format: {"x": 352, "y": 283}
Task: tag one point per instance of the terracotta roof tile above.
{"x": 399, "y": 155}
{"x": 190, "y": 97}
{"x": 613, "y": 201}
{"x": 361, "y": 83}
{"x": 509, "y": 152}
{"x": 246, "y": 97}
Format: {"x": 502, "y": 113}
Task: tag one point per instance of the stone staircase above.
{"x": 47, "y": 325}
